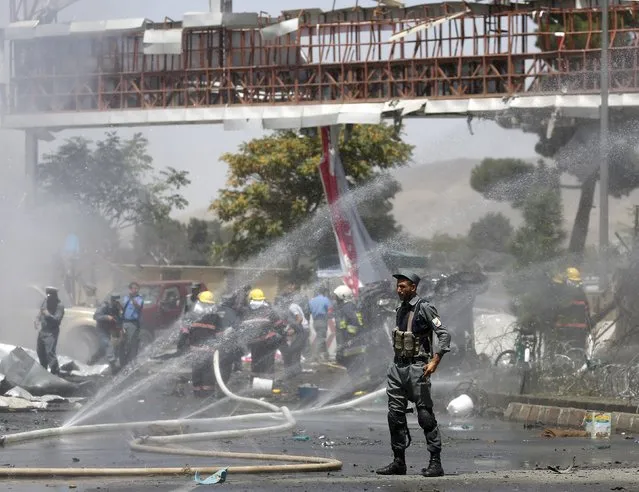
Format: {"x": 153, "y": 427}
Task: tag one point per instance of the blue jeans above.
{"x": 131, "y": 342}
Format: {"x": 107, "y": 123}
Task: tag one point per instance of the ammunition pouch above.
{"x": 405, "y": 344}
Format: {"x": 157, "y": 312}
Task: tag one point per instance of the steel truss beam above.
{"x": 500, "y": 53}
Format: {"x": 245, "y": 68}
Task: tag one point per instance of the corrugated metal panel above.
{"x": 201, "y": 19}
{"x": 212, "y": 19}
{"x": 87, "y": 27}
{"x": 52, "y": 30}
{"x": 20, "y": 30}
{"x": 281, "y": 29}
{"x": 92, "y": 27}
{"x": 426, "y": 25}
{"x": 240, "y": 20}
{"x": 163, "y": 42}
{"x": 23, "y": 24}
{"x": 132, "y": 24}
{"x": 33, "y": 29}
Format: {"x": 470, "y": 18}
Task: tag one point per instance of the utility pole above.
{"x": 603, "y": 149}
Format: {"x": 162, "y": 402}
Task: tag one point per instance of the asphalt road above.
{"x": 479, "y": 454}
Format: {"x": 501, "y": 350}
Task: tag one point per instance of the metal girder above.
{"x": 42, "y": 10}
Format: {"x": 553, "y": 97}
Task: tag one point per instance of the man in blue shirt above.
{"x": 321, "y": 309}
{"x": 132, "y": 305}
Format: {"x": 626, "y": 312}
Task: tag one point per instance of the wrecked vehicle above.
{"x": 163, "y": 305}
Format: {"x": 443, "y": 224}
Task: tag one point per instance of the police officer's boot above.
{"x": 434, "y": 467}
{"x": 397, "y": 467}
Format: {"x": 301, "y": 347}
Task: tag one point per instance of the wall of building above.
{"x": 217, "y": 279}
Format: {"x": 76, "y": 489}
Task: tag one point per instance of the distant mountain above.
{"x": 437, "y": 198}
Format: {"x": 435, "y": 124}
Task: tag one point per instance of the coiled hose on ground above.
{"x": 159, "y": 444}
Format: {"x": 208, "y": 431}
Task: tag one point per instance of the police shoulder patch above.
{"x": 437, "y": 322}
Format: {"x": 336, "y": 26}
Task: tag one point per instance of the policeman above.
{"x": 49, "y": 319}
{"x": 408, "y": 376}
{"x": 349, "y": 324}
{"x": 109, "y": 325}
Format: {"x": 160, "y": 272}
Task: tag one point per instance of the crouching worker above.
{"x": 109, "y": 325}
{"x": 204, "y": 336}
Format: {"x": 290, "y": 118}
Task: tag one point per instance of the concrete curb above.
{"x": 501, "y": 400}
{"x": 566, "y": 417}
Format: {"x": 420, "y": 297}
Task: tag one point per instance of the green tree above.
{"x": 113, "y": 181}
{"x": 492, "y": 232}
{"x": 162, "y": 242}
{"x": 168, "y": 241}
{"x": 541, "y": 236}
{"x": 575, "y": 146}
{"x": 502, "y": 179}
{"x": 274, "y": 186}
{"x": 204, "y": 236}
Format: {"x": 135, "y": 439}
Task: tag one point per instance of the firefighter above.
{"x": 351, "y": 344}
{"x": 191, "y": 300}
{"x": 204, "y": 335}
{"x": 48, "y": 325}
{"x": 571, "y": 309}
{"x": 108, "y": 318}
{"x": 409, "y": 375}
{"x": 264, "y": 330}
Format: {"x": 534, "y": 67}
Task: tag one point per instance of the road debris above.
{"x": 563, "y": 471}
{"x": 553, "y": 432}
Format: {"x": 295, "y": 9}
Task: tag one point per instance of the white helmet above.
{"x": 343, "y": 293}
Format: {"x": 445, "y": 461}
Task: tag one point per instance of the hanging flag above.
{"x": 360, "y": 258}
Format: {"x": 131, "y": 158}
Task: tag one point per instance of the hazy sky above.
{"x": 197, "y": 148}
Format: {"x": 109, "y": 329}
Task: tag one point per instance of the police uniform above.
{"x": 108, "y": 318}
{"x": 51, "y": 314}
{"x": 416, "y": 322}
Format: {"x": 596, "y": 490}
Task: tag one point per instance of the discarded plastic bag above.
{"x": 462, "y": 406}
{"x": 218, "y": 477}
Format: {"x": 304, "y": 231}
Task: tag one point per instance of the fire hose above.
{"x": 159, "y": 444}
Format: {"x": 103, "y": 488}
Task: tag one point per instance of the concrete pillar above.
{"x": 30, "y": 165}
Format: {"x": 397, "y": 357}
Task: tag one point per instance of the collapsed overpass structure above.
{"x": 514, "y": 62}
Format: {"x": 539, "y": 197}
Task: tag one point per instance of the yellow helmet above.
{"x": 206, "y": 297}
{"x": 257, "y": 295}
{"x": 573, "y": 274}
